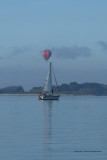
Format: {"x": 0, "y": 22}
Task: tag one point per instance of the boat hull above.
{"x": 48, "y": 97}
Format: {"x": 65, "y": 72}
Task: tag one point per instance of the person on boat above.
{"x": 52, "y": 91}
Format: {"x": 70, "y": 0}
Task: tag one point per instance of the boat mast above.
{"x": 48, "y": 82}
{"x": 51, "y": 75}
{"x": 55, "y": 79}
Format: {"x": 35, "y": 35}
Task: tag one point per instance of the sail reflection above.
{"x": 47, "y": 126}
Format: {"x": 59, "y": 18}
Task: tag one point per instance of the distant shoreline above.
{"x": 71, "y": 89}
{"x": 60, "y": 94}
{"x": 18, "y": 94}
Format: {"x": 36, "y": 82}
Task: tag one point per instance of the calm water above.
{"x": 73, "y": 128}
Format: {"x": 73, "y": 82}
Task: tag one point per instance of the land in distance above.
{"x": 72, "y": 88}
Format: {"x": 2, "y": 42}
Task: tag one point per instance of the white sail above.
{"x": 48, "y": 82}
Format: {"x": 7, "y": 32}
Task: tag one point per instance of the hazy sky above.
{"x": 75, "y": 31}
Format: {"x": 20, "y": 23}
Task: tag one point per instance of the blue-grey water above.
{"x": 73, "y": 128}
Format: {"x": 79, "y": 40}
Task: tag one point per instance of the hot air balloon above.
{"x": 46, "y": 54}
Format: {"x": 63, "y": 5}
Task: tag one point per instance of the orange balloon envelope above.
{"x": 46, "y": 54}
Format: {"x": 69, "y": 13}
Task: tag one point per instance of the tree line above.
{"x": 72, "y": 88}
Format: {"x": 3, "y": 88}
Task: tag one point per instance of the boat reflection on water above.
{"x": 47, "y": 127}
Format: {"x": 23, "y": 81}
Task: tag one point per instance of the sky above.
{"x": 74, "y": 30}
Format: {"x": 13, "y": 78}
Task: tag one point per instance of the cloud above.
{"x": 103, "y": 45}
{"x": 9, "y": 52}
{"x": 20, "y": 50}
{"x": 17, "y": 51}
{"x": 72, "y": 52}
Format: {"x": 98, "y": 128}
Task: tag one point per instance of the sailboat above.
{"x": 47, "y": 89}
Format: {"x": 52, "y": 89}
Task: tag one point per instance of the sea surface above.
{"x": 73, "y": 128}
